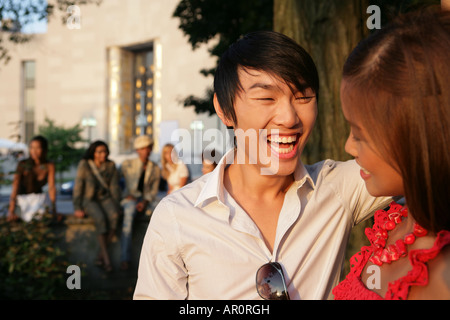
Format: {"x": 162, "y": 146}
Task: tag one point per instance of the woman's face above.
{"x": 100, "y": 154}
{"x": 35, "y": 150}
{"x": 167, "y": 154}
{"x": 380, "y": 177}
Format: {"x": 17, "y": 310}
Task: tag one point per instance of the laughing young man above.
{"x": 209, "y": 239}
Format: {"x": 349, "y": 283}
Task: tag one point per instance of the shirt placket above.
{"x": 289, "y": 213}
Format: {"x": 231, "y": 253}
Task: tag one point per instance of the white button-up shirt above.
{"x": 200, "y": 244}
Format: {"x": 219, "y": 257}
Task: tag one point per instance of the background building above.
{"x": 121, "y": 69}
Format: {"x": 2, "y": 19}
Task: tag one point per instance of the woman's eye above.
{"x": 355, "y": 138}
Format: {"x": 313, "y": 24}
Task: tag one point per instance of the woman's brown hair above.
{"x": 165, "y": 171}
{"x": 399, "y": 78}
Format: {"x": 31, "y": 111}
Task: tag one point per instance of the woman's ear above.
{"x": 220, "y": 113}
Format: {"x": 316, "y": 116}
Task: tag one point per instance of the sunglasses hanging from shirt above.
{"x": 270, "y": 282}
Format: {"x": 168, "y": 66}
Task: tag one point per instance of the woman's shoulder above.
{"x": 50, "y": 167}
{"x": 50, "y": 164}
{"x": 82, "y": 162}
{"x": 182, "y": 168}
{"x": 27, "y": 162}
{"x": 23, "y": 161}
{"x": 110, "y": 164}
{"x": 83, "y": 165}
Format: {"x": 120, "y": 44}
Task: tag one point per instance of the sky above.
{"x": 36, "y": 25}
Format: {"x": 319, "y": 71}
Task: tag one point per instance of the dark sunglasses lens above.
{"x": 270, "y": 283}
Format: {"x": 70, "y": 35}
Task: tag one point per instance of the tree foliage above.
{"x": 62, "y": 143}
{"x": 221, "y": 22}
{"x": 32, "y": 266}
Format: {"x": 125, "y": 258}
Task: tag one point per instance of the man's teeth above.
{"x": 279, "y": 139}
{"x": 283, "y": 150}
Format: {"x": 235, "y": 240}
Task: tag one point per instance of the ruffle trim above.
{"x": 352, "y": 287}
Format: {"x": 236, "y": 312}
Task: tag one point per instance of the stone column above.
{"x": 120, "y": 100}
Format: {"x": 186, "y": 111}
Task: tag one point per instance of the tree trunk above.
{"x": 328, "y": 30}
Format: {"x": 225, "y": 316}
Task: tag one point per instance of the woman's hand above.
{"x": 79, "y": 213}
{"x": 11, "y": 216}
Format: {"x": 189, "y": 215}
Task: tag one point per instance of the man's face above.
{"x": 286, "y": 117}
{"x": 144, "y": 153}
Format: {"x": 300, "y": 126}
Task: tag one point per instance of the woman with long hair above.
{"x": 174, "y": 171}
{"x": 32, "y": 174}
{"x": 396, "y": 97}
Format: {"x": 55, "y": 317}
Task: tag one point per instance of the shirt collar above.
{"x": 214, "y": 186}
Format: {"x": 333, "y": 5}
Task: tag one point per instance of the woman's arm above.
{"x": 12, "y": 199}
{"x": 78, "y": 190}
{"x": 114, "y": 186}
{"x": 184, "y": 174}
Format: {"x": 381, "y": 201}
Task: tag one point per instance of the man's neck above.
{"x": 246, "y": 178}
{"x": 144, "y": 161}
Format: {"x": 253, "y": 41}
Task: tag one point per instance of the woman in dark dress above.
{"x": 32, "y": 174}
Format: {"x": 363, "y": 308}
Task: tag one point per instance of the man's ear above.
{"x": 220, "y": 113}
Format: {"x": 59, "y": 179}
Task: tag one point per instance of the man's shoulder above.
{"x": 155, "y": 166}
{"x": 128, "y": 162}
{"x": 331, "y": 168}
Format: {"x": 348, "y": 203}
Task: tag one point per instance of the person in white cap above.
{"x": 141, "y": 187}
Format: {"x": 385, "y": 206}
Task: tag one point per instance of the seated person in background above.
{"x": 97, "y": 194}
{"x": 32, "y": 174}
{"x": 174, "y": 171}
{"x": 142, "y": 178}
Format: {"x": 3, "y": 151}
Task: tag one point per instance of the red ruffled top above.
{"x": 352, "y": 288}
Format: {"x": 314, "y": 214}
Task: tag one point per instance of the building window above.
{"x": 143, "y": 92}
{"x": 29, "y": 98}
